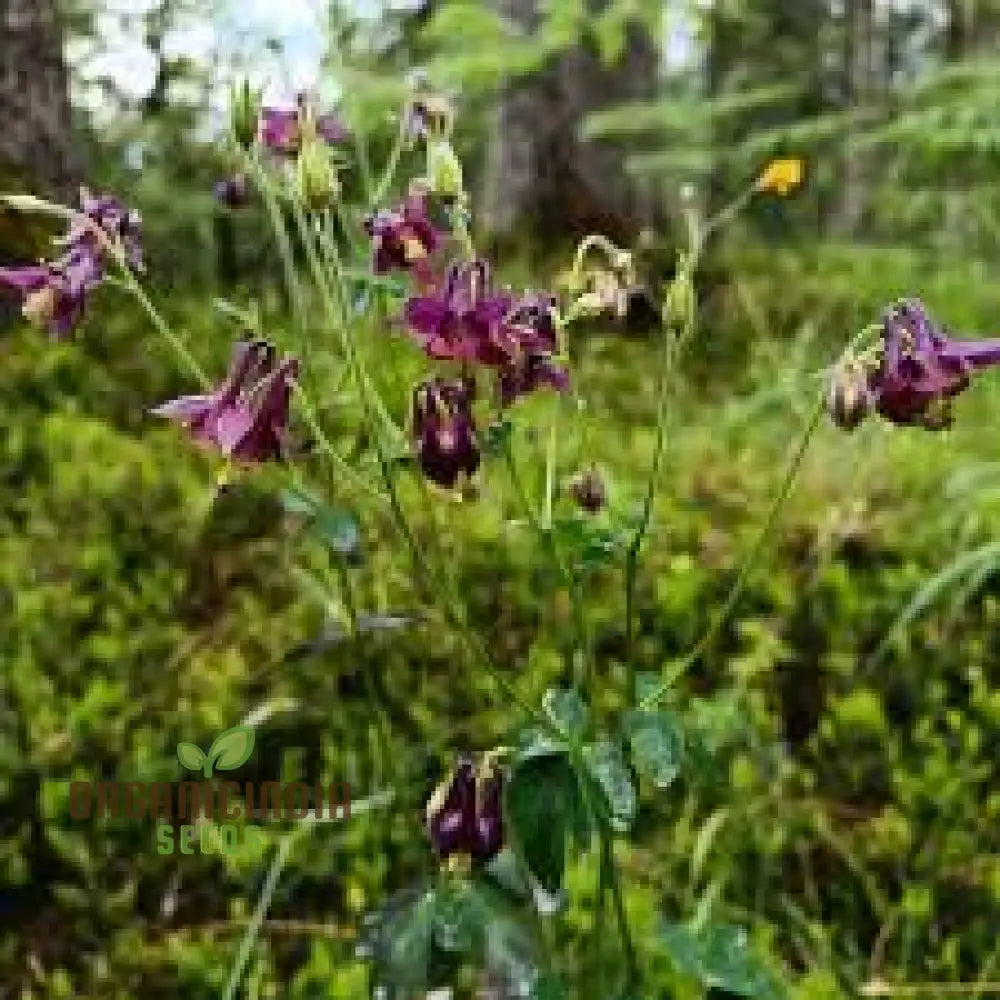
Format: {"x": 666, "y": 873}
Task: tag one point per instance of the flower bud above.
{"x": 680, "y": 304}
{"x": 849, "y": 399}
{"x": 245, "y": 107}
{"x": 444, "y": 171}
{"x": 317, "y": 178}
{"x": 232, "y": 191}
{"x": 589, "y": 491}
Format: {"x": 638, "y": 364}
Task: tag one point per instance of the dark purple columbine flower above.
{"x": 444, "y": 430}
{"x": 54, "y": 295}
{"x": 532, "y": 322}
{"x": 921, "y": 369}
{"x": 246, "y": 418}
{"x": 233, "y": 191}
{"x": 465, "y": 320}
{"x": 465, "y": 816}
{"x": 531, "y": 372}
{"x": 403, "y": 238}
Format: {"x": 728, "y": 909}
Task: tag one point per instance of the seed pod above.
{"x": 680, "y": 304}
{"x": 849, "y": 399}
{"x": 317, "y": 178}
{"x": 444, "y": 170}
{"x": 245, "y": 107}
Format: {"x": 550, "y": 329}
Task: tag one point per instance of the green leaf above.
{"x": 339, "y": 529}
{"x": 567, "y": 711}
{"x": 592, "y": 543}
{"x": 608, "y": 769}
{"x": 190, "y": 756}
{"x": 405, "y": 943}
{"x": 298, "y": 502}
{"x": 657, "y": 743}
{"x": 232, "y": 748}
{"x": 496, "y": 436}
{"x": 546, "y": 811}
{"x": 719, "y": 957}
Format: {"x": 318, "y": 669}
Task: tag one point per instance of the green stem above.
{"x": 435, "y": 584}
{"x": 132, "y": 285}
{"x": 628, "y": 947}
{"x": 565, "y": 571}
{"x": 752, "y": 556}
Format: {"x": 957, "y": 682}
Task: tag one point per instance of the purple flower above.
{"x": 465, "y": 816}
{"x": 403, "y": 238}
{"x": 246, "y": 418}
{"x": 921, "y": 369}
{"x": 464, "y": 320}
{"x": 444, "y": 430}
{"x": 232, "y": 191}
{"x": 119, "y": 224}
{"x": 531, "y": 372}
{"x": 54, "y": 295}
{"x": 281, "y": 128}
{"x": 532, "y": 322}
{"x": 280, "y": 131}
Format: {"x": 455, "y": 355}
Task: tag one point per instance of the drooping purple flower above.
{"x": 444, "y": 430}
{"x": 233, "y": 191}
{"x": 921, "y": 370}
{"x": 403, "y": 238}
{"x": 464, "y": 320}
{"x": 246, "y": 418}
{"x": 465, "y": 814}
{"x": 121, "y": 225}
{"x": 532, "y": 322}
{"x": 528, "y": 373}
{"x": 281, "y": 128}
{"x": 53, "y": 295}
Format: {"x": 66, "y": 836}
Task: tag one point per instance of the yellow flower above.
{"x": 782, "y": 176}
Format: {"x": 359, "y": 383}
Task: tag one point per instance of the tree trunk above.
{"x": 861, "y": 72}
{"x": 36, "y": 138}
{"x": 36, "y": 148}
{"x": 543, "y": 181}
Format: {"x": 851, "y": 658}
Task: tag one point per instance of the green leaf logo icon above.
{"x": 230, "y": 750}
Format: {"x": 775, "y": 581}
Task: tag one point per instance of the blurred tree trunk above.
{"x": 36, "y": 146}
{"x": 36, "y": 139}
{"x": 861, "y": 73}
{"x": 542, "y": 180}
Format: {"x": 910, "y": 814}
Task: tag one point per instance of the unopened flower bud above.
{"x": 849, "y": 399}
{"x": 245, "y": 107}
{"x": 444, "y": 171}
{"x": 589, "y": 491}
{"x": 317, "y": 178}
{"x": 680, "y": 304}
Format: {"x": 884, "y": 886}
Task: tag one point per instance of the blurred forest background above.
{"x": 842, "y": 798}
